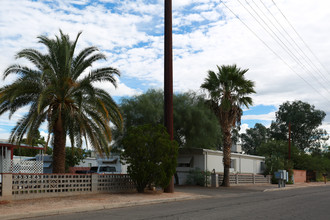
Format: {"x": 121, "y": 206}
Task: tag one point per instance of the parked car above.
{"x": 106, "y": 169}
{"x": 101, "y": 169}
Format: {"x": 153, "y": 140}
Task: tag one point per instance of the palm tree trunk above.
{"x": 59, "y": 147}
{"x": 226, "y": 156}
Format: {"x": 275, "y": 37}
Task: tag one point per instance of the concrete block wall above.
{"x": 29, "y": 186}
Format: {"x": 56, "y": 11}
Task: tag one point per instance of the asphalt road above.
{"x": 303, "y": 203}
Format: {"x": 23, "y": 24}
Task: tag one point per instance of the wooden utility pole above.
{"x": 289, "y": 141}
{"x": 168, "y": 78}
{"x": 289, "y": 156}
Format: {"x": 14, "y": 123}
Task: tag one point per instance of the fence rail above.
{"x": 27, "y": 186}
{"x": 245, "y": 178}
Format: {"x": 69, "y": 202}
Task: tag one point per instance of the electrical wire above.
{"x": 300, "y": 37}
{"x": 283, "y": 45}
{"x": 276, "y": 54}
{"x": 301, "y": 53}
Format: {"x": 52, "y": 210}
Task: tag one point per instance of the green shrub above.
{"x": 198, "y": 177}
{"x": 151, "y": 155}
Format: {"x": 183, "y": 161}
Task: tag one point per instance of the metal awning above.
{"x": 185, "y": 160}
{"x": 47, "y": 164}
{"x": 110, "y": 161}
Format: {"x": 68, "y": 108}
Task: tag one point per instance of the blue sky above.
{"x": 205, "y": 34}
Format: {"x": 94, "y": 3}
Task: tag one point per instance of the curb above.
{"x": 291, "y": 187}
{"x": 97, "y": 207}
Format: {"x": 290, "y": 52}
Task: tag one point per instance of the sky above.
{"x": 284, "y": 44}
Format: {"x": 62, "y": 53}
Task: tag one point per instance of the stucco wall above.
{"x": 299, "y": 176}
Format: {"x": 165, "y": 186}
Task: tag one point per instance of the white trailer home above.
{"x": 11, "y": 164}
{"x": 211, "y": 160}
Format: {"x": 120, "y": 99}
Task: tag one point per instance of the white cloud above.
{"x": 121, "y": 90}
{"x": 265, "y": 117}
{"x": 243, "y": 128}
{"x": 131, "y": 37}
{"x": 326, "y": 126}
{"x": 4, "y": 135}
{"x": 44, "y": 135}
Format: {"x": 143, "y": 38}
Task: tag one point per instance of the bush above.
{"x": 198, "y": 177}
{"x": 151, "y": 155}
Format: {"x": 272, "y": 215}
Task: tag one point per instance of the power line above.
{"x": 301, "y": 38}
{"x": 276, "y": 54}
{"x": 301, "y": 53}
{"x": 281, "y": 43}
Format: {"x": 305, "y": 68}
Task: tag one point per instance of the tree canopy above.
{"x": 305, "y": 133}
{"x": 253, "y": 138}
{"x": 194, "y": 123}
{"x": 60, "y": 90}
{"x": 305, "y": 121}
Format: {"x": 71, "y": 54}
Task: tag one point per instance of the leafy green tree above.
{"x": 151, "y": 155}
{"x": 37, "y": 141}
{"x": 60, "y": 90}
{"x": 194, "y": 124}
{"x": 276, "y": 154}
{"x": 28, "y": 152}
{"x": 304, "y": 119}
{"x": 228, "y": 90}
{"x": 253, "y": 138}
{"x": 73, "y": 156}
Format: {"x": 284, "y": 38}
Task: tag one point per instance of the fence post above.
{"x": 236, "y": 178}
{"x": 7, "y": 188}
{"x": 95, "y": 178}
{"x": 214, "y": 180}
{"x": 254, "y": 178}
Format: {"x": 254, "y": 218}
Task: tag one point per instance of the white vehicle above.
{"x": 110, "y": 165}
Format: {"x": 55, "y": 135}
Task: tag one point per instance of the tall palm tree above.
{"x": 228, "y": 90}
{"x": 60, "y": 90}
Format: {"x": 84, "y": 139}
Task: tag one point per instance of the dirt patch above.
{"x": 4, "y": 202}
{"x": 82, "y": 202}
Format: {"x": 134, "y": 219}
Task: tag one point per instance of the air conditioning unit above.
{"x": 236, "y": 148}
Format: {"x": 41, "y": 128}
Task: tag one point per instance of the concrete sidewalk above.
{"x": 91, "y": 202}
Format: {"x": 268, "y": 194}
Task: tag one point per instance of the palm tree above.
{"x": 228, "y": 90}
{"x": 60, "y": 90}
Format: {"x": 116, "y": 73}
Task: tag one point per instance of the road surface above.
{"x": 302, "y": 203}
